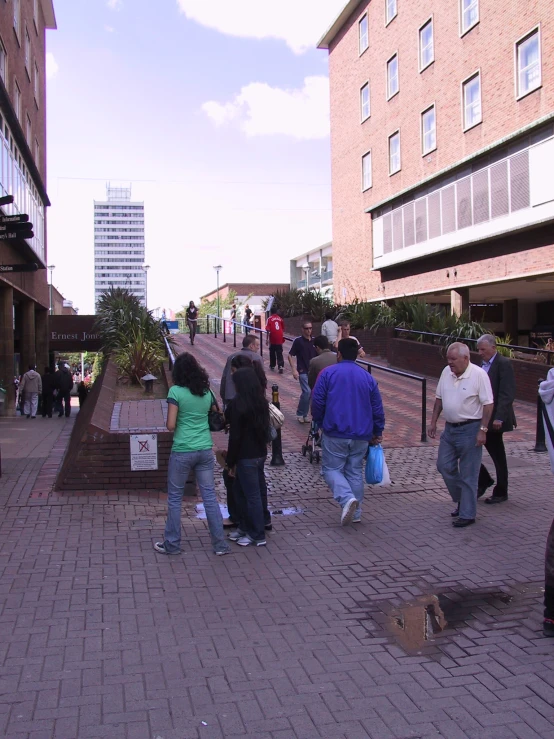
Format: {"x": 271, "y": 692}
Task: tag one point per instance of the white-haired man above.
{"x": 464, "y": 396}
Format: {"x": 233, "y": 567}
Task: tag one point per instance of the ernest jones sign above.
{"x": 73, "y": 334}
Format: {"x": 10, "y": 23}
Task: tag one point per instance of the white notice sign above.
{"x": 144, "y": 452}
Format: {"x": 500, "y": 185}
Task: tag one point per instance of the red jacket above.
{"x": 276, "y": 329}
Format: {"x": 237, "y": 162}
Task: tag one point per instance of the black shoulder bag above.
{"x": 216, "y": 419}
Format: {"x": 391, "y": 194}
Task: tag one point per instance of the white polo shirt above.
{"x": 463, "y": 397}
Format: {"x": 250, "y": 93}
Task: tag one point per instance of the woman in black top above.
{"x": 248, "y": 417}
{"x": 192, "y": 320}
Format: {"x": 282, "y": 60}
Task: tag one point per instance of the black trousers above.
{"x": 47, "y": 404}
{"x": 64, "y": 400}
{"x": 276, "y": 355}
{"x": 495, "y": 447}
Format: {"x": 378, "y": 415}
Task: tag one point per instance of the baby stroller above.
{"x": 313, "y": 444}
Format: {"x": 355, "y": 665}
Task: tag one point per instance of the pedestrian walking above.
{"x": 31, "y": 387}
{"x": 48, "y": 386}
{"x": 248, "y": 418}
{"x": 250, "y": 347}
{"x": 63, "y": 382}
{"x": 464, "y": 396}
{"x": 275, "y": 339}
{"x": 330, "y": 329}
{"x": 503, "y": 419}
{"x": 546, "y": 391}
{"x": 188, "y": 403}
{"x": 347, "y": 404}
{"x": 300, "y": 354}
{"x": 82, "y": 393}
{"x": 247, "y": 316}
{"x": 345, "y": 334}
{"x": 192, "y": 320}
{"x": 325, "y": 357}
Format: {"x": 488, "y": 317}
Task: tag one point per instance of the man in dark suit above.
{"x": 503, "y": 383}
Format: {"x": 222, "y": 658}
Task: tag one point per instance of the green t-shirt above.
{"x": 192, "y": 433}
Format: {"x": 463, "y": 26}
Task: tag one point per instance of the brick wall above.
{"x": 489, "y": 46}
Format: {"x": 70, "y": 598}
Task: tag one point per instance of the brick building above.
{"x": 442, "y": 140}
{"x": 24, "y": 296}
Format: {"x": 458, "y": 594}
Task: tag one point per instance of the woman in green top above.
{"x": 189, "y": 401}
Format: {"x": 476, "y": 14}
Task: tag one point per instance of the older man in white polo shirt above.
{"x": 464, "y": 396}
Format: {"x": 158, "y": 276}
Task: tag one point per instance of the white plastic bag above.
{"x": 386, "y": 476}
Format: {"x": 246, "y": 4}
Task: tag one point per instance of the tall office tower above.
{"x": 119, "y": 243}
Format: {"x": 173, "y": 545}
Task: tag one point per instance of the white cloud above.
{"x": 114, "y": 4}
{"x": 300, "y": 23}
{"x": 262, "y": 110}
{"x": 109, "y": 29}
{"x": 51, "y": 66}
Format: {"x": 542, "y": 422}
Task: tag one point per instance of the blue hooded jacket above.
{"x": 347, "y": 403}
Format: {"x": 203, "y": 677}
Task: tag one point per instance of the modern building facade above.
{"x": 119, "y": 243}
{"x": 442, "y": 138}
{"x": 313, "y": 270}
{"x": 24, "y": 296}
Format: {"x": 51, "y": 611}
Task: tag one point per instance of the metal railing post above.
{"x": 424, "y": 409}
{"x": 224, "y": 332}
{"x": 261, "y": 343}
{"x": 234, "y": 334}
{"x": 216, "y": 319}
{"x": 540, "y": 436}
{"x": 277, "y": 444}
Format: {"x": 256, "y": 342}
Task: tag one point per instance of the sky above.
{"x": 216, "y": 112}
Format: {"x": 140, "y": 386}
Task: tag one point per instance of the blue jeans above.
{"x": 304, "y": 402}
{"x": 458, "y": 462}
{"x": 180, "y": 465}
{"x": 342, "y": 467}
{"x": 251, "y": 497}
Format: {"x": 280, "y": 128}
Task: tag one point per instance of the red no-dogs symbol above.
{"x": 143, "y": 446}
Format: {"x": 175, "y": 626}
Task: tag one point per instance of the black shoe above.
{"x": 60, "y": 415}
{"x": 268, "y": 527}
{"x": 496, "y": 499}
{"x": 482, "y": 489}
{"x": 548, "y": 627}
{"x": 460, "y": 523}
{"x": 281, "y": 370}
{"x": 272, "y": 369}
{"x": 455, "y": 513}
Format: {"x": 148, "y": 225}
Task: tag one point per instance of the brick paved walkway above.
{"x": 327, "y": 632}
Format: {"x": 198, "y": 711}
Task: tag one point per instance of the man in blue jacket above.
{"x": 347, "y": 404}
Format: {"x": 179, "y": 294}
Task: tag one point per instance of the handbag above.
{"x": 276, "y": 418}
{"x": 216, "y": 419}
{"x": 374, "y": 464}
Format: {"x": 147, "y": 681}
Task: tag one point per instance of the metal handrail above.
{"x": 170, "y": 353}
{"x": 516, "y": 347}
{"x": 368, "y": 365}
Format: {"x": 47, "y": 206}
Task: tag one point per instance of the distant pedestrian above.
{"x": 247, "y": 315}
{"x": 82, "y": 393}
{"x": 192, "y": 320}
{"x": 250, "y": 347}
{"x": 330, "y": 328}
{"x": 300, "y": 354}
{"x": 48, "y": 385}
{"x": 503, "y": 419}
{"x": 188, "y": 402}
{"x": 31, "y": 387}
{"x": 347, "y": 404}
{"x": 546, "y": 391}
{"x": 63, "y": 382}
{"x": 275, "y": 339}
{"x": 325, "y": 358}
{"x": 464, "y": 396}
{"x": 345, "y": 334}
{"x": 248, "y": 418}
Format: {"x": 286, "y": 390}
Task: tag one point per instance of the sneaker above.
{"x": 220, "y": 551}
{"x": 548, "y": 627}
{"x": 348, "y": 511}
{"x": 235, "y": 535}
{"x": 268, "y": 527}
{"x": 301, "y": 419}
{"x": 159, "y": 546}
{"x": 357, "y": 517}
{"x": 281, "y": 370}
{"x": 246, "y": 541}
{"x": 272, "y": 369}
{"x": 306, "y": 419}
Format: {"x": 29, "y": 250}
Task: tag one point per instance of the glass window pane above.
{"x": 366, "y": 171}
{"x": 472, "y": 101}
{"x": 363, "y": 34}
{"x": 364, "y": 102}
{"x": 427, "y": 52}
{"x": 529, "y": 64}
{"x": 392, "y": 76}
{"x": 470, "y": 13}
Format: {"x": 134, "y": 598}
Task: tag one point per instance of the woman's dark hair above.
{"x": 191, "y": 303}
{"x": 329, "y": 315}
{"x": 243, "y": 360}
{"x": 250, "y": 401}
{"x": 188, "y": 373}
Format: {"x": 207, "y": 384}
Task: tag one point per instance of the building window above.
{"x": 469, "y": 12}
{"x": 365, "y": 102}
{"x": 17, "y": 17}
{"x": 17, "y": 99}
{"x": 28, "y": 130}
{"x": 35, "y": 14}
{"x": 392, "y": 10}
{"x": 392, "y": 76}
{"x": 394, "y": 152}
{"x": 3, "y": 62}
{"x": 472, "y": 101}
{"x": 428, "y": 130}
{"x": 36, "y": 84}
{"x": 363, "y": 34}
{"x": 27, "y": 47}
{"x": 366, "y": 171}
{"x": 37, "y": 153}
{"x": 528, "y": 64}
{"x": 426, "y": 45}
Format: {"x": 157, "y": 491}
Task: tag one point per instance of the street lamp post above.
{"x": 146, "y": 268}
{"x": 217, "y": 268}
{"x": 51, "y": 267}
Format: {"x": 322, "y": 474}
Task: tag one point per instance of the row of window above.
{"x": 113, "y": 208}
{"x": 527, "y": 63}
{"x": 135, "y": 251}
{"x": 119, "y": 229}
{"x": 100, "y": 223}
{"x": 118, "y": 282}
{"x": 115, "y": 237}
{"x": 119, "y": 261}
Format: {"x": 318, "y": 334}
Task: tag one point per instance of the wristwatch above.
{"x": 483, "y": 428}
